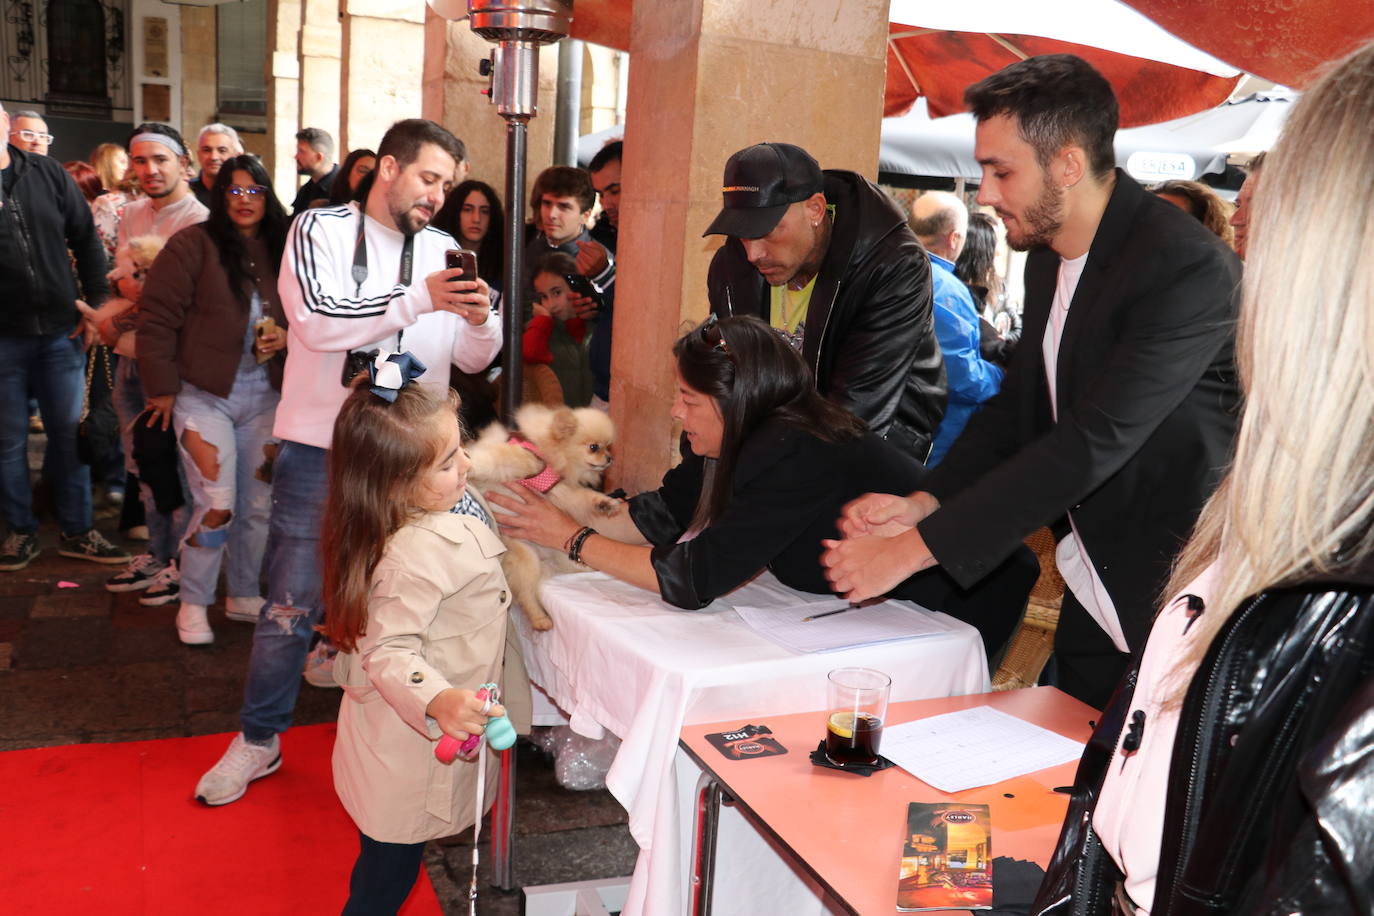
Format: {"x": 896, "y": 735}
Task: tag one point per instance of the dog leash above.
{"x": 491, "y": 692}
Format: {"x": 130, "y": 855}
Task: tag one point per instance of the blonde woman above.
{"x": 111, "y": 164}
{"x": 1233, "y": 769}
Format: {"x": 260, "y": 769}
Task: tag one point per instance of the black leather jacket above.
{"x": 870, "y": 332}
{"x": 1270, "y": 806}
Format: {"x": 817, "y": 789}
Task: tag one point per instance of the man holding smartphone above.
{"x": 562, "y": 200}
{"x": 354, "y": 279}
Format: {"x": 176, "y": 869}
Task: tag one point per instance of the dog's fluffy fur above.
{"x": 576, "y": 444}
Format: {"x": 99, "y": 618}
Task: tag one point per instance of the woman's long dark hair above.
{"x": 755, "y": 377}
{"x": 975, "y": 264}
{"x": 491, "y": 250}
{"x": 339, "y": 191}
{"x": 225, "y": 235}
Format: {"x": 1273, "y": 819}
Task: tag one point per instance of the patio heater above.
{"x": 519, "y": 28}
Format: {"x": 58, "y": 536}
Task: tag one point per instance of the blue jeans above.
{"x": 164, "y": 531}
{"x": 284, "y": 629}
{"x": 53, "y": 367}
{"x": 237, "y": 427}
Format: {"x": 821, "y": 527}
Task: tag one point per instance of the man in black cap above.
{"x": 828, "y": 260}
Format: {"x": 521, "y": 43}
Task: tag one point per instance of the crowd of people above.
{"x": 861, "y": 413}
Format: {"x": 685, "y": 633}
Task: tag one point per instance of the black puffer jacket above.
{"x": 43, "y": 215}
{"x": 870, "y": 333}
{"x": 1270, "y": 806}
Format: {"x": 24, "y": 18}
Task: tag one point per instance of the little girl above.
{"x": 417, "y": 606}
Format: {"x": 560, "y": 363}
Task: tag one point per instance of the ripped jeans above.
{"x": 236, "y": 428}
{"x": 294, "y": 607}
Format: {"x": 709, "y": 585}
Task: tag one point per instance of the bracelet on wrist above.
{"x": 575, "y": 547}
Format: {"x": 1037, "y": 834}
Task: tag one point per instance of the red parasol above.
{"x": 1279, "y": 40}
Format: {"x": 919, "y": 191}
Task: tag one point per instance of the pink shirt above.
{"x": 1129, "y": 818}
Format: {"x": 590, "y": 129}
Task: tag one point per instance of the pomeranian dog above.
{"x": 563, "y": 453}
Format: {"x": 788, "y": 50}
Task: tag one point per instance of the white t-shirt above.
{"x": 329, "y": 313}
{"x": 140, "y": 217}
{"x": 1072, "y": 554}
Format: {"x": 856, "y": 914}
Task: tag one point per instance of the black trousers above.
{"x": 382, "y": 877}
{"x": 994, "y": 605}
{"x": 1087, "y": 664}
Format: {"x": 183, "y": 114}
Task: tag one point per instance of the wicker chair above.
{"x": 1033, "y": 641}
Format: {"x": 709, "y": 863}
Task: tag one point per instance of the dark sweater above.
{"x": 786, "y": 496}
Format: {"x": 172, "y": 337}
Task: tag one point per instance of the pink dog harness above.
{"x": 543, "y": 481}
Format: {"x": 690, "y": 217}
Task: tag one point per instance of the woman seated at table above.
{"x": 767, "y": 463}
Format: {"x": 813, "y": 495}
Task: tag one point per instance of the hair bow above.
{"x": 390, "y": 372}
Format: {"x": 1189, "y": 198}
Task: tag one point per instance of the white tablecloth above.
{"x": 620, "y": 659}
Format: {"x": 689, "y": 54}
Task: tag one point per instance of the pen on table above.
{"x": 828, "y": 613}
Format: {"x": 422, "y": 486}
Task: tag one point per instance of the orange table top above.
{"x": 847, "y": 830}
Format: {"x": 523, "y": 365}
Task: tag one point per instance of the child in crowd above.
{"x": 558, "y": 334}
{"x": 417, "y": 606}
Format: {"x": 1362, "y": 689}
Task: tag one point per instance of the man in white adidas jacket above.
{"x": 346, "y": 286}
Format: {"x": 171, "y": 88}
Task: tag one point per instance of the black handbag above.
{"x": 98, "y": 430}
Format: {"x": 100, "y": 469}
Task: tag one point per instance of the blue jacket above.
{"x": 972, "y": 379}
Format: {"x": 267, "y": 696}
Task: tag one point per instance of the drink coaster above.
{"x": 819, "y": 758}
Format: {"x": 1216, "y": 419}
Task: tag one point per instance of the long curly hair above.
{"x": 225, "y": 235}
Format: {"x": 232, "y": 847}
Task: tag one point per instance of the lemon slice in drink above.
{"x": 842, "y": 724}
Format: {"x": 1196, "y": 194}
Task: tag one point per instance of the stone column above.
{"x": 453, "y": 97}
{"x": 382, "y": 68}
{"x": 320, "y": 50}
{"x": 710, "y": 77}
{"x": 199, "y": 83}
{"x": 283, "y": 94}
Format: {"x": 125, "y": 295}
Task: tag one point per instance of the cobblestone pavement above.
{"x": 79, "y": 664}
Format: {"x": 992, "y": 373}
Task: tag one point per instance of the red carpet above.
{"x": 113, "y": 829}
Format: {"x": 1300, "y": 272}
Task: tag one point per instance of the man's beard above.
{"x": 167, "y": 188}
{"x": 302, "y": 170}
{"x": 406, "y": 220}
{"x": 1042, "y": 220}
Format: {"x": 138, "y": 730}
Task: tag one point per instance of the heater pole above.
{"x": 512, "y": 312}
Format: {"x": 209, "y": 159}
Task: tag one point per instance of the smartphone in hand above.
{"x": 462, "y": 259}
{"x": 584, "y": 287}
{"x": 266, "y": 326}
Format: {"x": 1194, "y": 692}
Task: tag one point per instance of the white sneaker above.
{"x": 192, "y": 626}
{"x": 242, "y": 763}
{"x": 319, "y": 665}
{"x": 244, "y": 609}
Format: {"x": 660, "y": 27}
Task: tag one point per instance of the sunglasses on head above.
{"x": 252, "y": 190}
{"x": 714, "y": 336}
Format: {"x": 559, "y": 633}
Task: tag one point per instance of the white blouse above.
{"x": 1129, "y": 818}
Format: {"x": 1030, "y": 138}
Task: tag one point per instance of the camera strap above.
{"x": 360, "y": 258}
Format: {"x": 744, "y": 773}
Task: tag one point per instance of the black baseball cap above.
{"x": 761, "y": 182}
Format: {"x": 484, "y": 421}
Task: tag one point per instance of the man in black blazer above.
{"x": 1117, "y": 414}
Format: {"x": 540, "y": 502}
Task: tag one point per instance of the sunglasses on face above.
{"x": 31, "y": 135}
{"x": 253, "y": 190}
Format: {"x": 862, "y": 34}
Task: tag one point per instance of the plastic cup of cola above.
{"x": 855, "y": 714}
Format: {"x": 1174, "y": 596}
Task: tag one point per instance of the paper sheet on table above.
{"x": 784, "y": 622}
{"x": 974, "y": 747}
